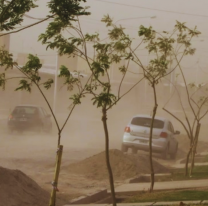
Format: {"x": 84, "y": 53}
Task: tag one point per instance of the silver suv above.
{"x": 137, "y": 132}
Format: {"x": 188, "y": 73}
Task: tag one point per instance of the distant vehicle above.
{"x": 137, "y": 132}
{"x": 29, "y": 117}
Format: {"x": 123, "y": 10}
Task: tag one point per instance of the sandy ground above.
{"x": 35, "y": 156}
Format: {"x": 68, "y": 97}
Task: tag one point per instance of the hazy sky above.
{"x": 130, "y": 14}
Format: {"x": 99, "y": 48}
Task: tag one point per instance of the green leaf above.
{"x": 6, "y": 59}
{"x": 106, "y": 19}
{"x": 12, "y": 13}
{"x": 2, "y": 80}
{"x": 64, "y": 71}
{"x": 104, "y": 99}
{"x": 48, "y": 83}
{"x": 24, "y": 85}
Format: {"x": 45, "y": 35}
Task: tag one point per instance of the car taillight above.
{"x": 164, "y": 134}
{"x": 127, "y": 129}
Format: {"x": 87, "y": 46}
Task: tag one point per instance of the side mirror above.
{"x": 177, "y": 132}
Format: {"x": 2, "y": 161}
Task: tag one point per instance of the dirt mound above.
{"x": 124, "y": 166}
{"x": 184, "y": 146}
{"x": 17, "y": 189}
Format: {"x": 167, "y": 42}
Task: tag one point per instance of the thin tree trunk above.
{"x": 150, "y": 141}
{"x": 104, "y": 119}
{"x": 187, "y": 160}
{"x": 56, "y": 176}
{"x": 194, "y": 148}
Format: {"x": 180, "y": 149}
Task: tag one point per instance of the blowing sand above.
{"x": 83, "y": 170}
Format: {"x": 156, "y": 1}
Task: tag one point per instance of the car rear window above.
{"x": 25, "y": 110}
{"x": 146, "y": 122}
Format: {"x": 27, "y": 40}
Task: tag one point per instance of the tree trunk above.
{"x": 56, "y": 176}
{"x": 195, "y": 142}
{"x": 104, "y": 119}
{"x": 187, "y": 160}
{"x": 150, "y": 141}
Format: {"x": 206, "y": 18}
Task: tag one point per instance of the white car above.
{"x": 137, "y": 132}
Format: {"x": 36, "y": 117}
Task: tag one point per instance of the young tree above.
{"x": 30, "y": 77}
{"x": 197, "y": 99}
{"x": 12, "y": 13}
{"x": 162, "y": 46}
{"x": 105, "y": 55}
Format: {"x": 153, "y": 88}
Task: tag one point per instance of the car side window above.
{"x": 172, "y": 129}
{"x": 41, "y": 112}
{"x": 169, "y": 128}
{"x": 44, "y": 112}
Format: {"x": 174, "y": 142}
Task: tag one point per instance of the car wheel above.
{"x": 124, "y": 148}
{"x": 165, "y": 153}
{"x": 173, "y": 155}
{"x": 134, "y": 150}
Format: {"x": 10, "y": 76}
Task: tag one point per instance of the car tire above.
{"x": 134, "y": 150}
{"x": 164, "y": 154}
{"x": 124, "y": 148}
{"x": 173, "y": 155}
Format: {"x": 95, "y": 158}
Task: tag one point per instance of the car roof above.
{"x": 149, "y": 116}
{"x": 27, "y": 105}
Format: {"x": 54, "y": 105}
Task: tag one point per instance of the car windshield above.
{"x": 146, "y": 122}
{"x": 25, "y": 110}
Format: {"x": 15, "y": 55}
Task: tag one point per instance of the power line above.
{"x": 141, "y": 7}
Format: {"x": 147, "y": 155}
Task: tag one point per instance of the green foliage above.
{"x": 116, "y": 33}
{"x": 31, "y": 75}
{"x": 67, "y": 10}
{"x": 123, "y": 69}
{"x": 48, "y": 83}
{"x": 157, "y": 68}
{"x": 120, "y": 46}
{"x": 11, "y": 12}
{"x": 70, "y": 81}
{"x": 31, "y": 68}
{"x": 106, "y": 19}
{"x": 165, "y": 48}
{"x": 24, "y": 85}
{"x": 92, "y": 37}
{"x": 2, "y": 80}
{"x": 147, "y": 33}
{"x": 33, "y": 65}
{"x": 167, "y": 196}
{"x": 54, "y": 28}
{"x": 104, "y": 99}
{"x": 6, "y": 59}
{"x": 64, "y": 72}
{"x": 116, "y": 58}
{"x": 76, "y": 98}
{"x": 60, "y": 43}
{"x": 99, "y": 68}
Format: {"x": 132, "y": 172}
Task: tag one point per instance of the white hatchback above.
{"x": 137, "y": 133}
